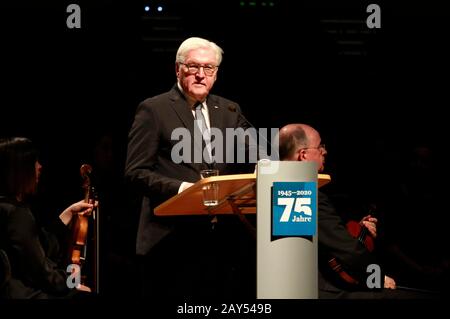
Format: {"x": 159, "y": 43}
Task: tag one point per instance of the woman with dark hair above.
{"x": 33, "y": 273}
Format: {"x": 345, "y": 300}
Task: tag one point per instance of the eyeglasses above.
{"x": 209, "y": 69}
{"x": 321, "y": 148}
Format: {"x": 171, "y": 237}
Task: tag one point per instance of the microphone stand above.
{"x": 232, "y": 108}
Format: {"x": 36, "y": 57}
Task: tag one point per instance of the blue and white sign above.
{"x": 294, "y": 208}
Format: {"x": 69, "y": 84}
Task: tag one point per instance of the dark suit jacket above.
{"x": 150, "y": 171}
{"x": 335, "y": 241}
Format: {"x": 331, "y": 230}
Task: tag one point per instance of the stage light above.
{"x": 257, "y": 3}
{"x": 147, "y": 8}
{"x": 160, "y": 9}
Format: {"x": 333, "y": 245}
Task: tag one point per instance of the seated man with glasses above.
{"x": 343, "y": 259}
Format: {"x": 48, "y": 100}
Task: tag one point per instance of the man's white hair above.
{"x": 197, "y": 43}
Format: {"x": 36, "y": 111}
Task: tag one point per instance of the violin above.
{"x": 360, "y": 232}
{"x": 85, "y": 232}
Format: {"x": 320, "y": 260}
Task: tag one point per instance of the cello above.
{"x": 84, "y": 247}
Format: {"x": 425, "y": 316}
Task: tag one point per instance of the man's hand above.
{"x": 184, "y": 186}
{"x": 389, "y": 283}
{"x": 371, "y": 224}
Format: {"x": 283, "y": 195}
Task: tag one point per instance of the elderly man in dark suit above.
{"x": 184, "y": 256}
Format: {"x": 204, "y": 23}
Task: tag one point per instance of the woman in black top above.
{"x": 33, "y": 273}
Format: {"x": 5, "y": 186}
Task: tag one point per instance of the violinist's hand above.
{"x": 80, "y": 287}
{"x": 84, "y": 288}
{"x": 371, "y": 224}
{"x": 80, "y": 207}
{"x": 389, "y": 283}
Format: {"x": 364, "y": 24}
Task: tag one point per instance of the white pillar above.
{"x": 287, "y": 264}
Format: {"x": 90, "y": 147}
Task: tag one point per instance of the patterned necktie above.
{"x": 201, "y": 123}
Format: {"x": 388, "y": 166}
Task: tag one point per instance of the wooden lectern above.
{"x": 237, "y": 195}
{"x": 286, "y": 268}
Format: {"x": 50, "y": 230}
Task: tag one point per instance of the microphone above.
{"x": 232, "y": 108}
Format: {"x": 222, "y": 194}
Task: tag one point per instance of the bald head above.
{"x": 294, "y": 136}
{"x": 301, "y": 142}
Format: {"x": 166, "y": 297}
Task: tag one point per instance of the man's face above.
{"x": 315, "y": 151}
{"x": 317, "y": 155}
{"x": 196, "y": 83}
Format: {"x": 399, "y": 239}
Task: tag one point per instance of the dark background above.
{"x": 366, "y": 90}
{"x": 372, "y": 93}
